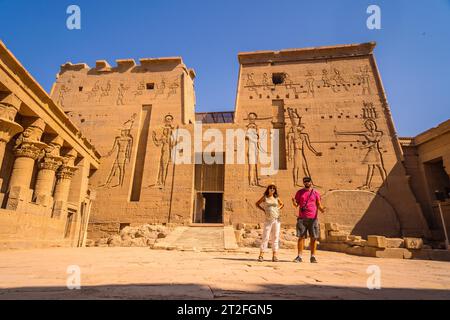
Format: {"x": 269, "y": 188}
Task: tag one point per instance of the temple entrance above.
{"x": 208, "y": 207}
{"x": 209, "y": 187}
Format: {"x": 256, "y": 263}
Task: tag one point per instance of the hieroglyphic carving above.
{"x": 290, "y": 84}
{"x": 93, "y": 92}
{"x": 140, "y": 89}
{"x": 105, "y": 90}
{"x": 309, "y": 84}
{"x": 122, "y": 146}
{"x": 62, "y": 92}
{"x": 121, "y": 93}
{"x": 338, "y": 81}
{"x": 364, "y": 78}
{"x": 165, "y": 142}
{"x": 267, "y": 83}
{"x": 369, "y": 111}
{"x": 250, "y": 83}
{"x": 373, "y": 157}
{"x": 297, "y": 140}
{"x": 161, "y": 87}
{"x": 173, "y": 87}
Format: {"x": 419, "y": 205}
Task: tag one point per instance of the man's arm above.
{"x": 319, "y": 205}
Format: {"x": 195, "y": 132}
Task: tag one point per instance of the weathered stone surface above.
{"x": 413, "y": 243}
{"x": 394, "y": 253}
{"x": 376, "y": 241}
{"x": 394, "y": 243}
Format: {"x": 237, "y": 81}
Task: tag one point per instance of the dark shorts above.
{"x": 308, "y": 226}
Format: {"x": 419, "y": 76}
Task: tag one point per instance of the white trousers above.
{"x": 272, "y": 230}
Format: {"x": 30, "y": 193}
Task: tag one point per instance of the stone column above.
{"x": 9, "y": 106}
{"x": 48, "y": 164}
{"x": 27, "y": 150}
{"x": 62, "y": 188}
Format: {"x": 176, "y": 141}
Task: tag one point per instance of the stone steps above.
{"x": 198, "y": 238}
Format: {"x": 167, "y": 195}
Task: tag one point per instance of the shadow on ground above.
{"x": 167, "y": 291}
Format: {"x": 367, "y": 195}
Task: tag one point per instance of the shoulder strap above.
{"x": 306, "y": 202}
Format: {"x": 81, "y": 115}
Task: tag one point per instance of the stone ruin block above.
{"x": 395, "y": 243}
{"x": 413, "y": 243}
{"x": 376, "y": 241}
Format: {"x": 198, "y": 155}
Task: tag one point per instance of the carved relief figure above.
{"x": 253, "y": 145}
{"x": 93, "y": 92}
{"x": 173, "y": 87}
{"x": 297, "y": 140}
{"x": 165, "y": 142}
{"x": 339, "y": 81}
{"x": 365, "y": 80}
{"x": 122, "y": 147}
{"x": 309, "y": 84}
{"x": 250, "y": 83}
{"x": 140, "y": 89}
{"x": 267, "y": 83}
{"x": 121, "y": 93}
{"x": 373, "y": 157}
{"x": 325, "y": 79}
{"x": 105, "y": 90}
{"x": 289, "y": 83}
{"x": 161, "y": 87}
{"x": 62, "y": 92}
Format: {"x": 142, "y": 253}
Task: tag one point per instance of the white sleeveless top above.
{"x": 271, "y": 208}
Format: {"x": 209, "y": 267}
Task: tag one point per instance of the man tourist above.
{"x": 308, "y": 202}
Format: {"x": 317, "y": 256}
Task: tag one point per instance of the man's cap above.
{"x": 307, "y": 179}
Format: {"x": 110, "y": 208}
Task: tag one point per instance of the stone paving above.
{"x": 142, "y": 273}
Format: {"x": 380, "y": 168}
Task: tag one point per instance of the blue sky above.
{"x": 413, "y": 51}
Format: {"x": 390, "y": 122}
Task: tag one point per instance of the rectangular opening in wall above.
{"x": 150, "y": 86}
{"x": 69, "y": 222}
{"x": 280, "y": 124}
{"x": 141, "y": 152}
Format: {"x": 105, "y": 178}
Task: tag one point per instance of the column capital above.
{"x": 8, "y": 129}
{"x": 50, "y": 158}
{"x": 66, "y": 172}
{"x": 9, "y": 106}
{"x": 29, "y": 149}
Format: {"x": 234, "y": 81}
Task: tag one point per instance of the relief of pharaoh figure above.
{"x": 123, "y": 145}
{"x": 165, "y": 142}
{"x": 373, "y": 157}
{"x": 253, "y": 146}
{"x": 297, "y": 140}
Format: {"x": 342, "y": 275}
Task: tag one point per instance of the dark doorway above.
{"x": 208, "y": 207}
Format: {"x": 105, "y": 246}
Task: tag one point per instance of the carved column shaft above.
{"x": 48, "y": 166}
{"x": 64, "y": 180}
{"x": 27, "y": 150}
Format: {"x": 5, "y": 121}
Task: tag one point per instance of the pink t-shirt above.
{"x": 301, "y": 197}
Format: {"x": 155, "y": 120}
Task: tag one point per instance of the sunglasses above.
{"x": 272, "y": 188}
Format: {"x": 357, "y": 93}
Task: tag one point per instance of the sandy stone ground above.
{"x": 141, "y": 273}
